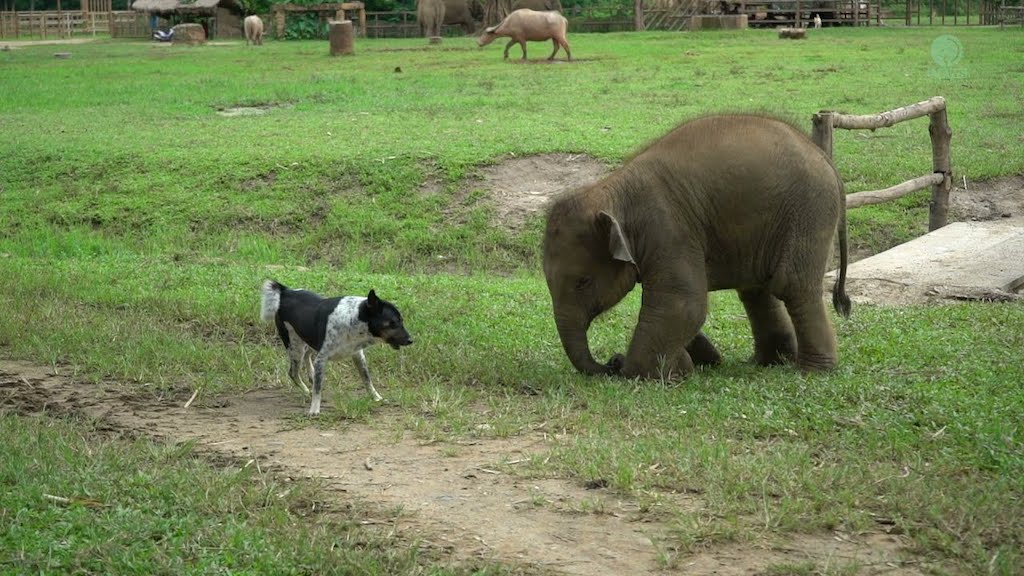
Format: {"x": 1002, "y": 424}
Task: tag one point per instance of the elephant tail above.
{"x": 840, "y": 300}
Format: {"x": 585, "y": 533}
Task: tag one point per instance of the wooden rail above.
{"x": 941, "y": 178}
{"x": 327, "y": 11}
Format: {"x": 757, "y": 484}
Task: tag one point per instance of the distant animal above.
{"x": 463, "y": 13}
{"x": 253, "y": 27}
{"x": 682, "y": 221}
{"x": 539, "y": 5}
{"x": 308, "y": 323}
{"x": 430, "y": 16}
{"x": 817, "y": 21}
{"x": 525, "y": 25}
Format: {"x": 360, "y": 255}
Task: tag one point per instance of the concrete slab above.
{"x": 983, "y": 257}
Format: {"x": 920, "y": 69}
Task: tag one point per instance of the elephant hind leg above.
{"x": 816, "y": 340}
{"x": 774, "y": 339}
{"x": 703, "y": 352}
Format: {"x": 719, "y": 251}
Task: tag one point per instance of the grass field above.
{"x": 136, "y": 223}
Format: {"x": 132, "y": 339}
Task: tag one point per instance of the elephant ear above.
{"x": 617, "y": 242}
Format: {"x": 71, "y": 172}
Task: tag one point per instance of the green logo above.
{"x": 947, "y": 51}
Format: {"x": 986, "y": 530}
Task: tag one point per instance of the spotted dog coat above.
{"x": 313, "y": 329}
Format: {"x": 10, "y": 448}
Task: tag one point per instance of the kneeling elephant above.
{"x": 732, "y": 201}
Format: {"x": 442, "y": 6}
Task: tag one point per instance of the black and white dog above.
{"x": 307, "y": 322}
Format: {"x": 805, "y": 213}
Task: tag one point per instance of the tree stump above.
{"x": 191, "y": 34}
{"x": 342, "y": 37}
{"x": 793, "y": 33}
{"x": 434, "y": 40}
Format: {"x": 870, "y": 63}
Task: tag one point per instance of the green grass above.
{"x": 136, "y": 224}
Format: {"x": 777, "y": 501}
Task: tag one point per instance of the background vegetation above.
{"x": 137, "y": 221}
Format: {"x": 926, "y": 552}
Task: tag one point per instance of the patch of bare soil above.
{"x": 57, "y": 41}
{"x": 521, "y": 186}
{"x": 995, "y": 199}
{"x": 453, "y": 498}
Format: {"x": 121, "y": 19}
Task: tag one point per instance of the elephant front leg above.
{"x": 669, "y": 323}
{"x": 774, "y": 339}
{"x": 507, "y": 46}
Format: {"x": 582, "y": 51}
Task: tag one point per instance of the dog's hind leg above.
{"x": 318, "y": 382}
{"x": 309, "y": 362}
{"x": 298, "y": 354}
{"x": 360, "y": 361}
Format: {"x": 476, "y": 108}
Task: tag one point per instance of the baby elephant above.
{"x": 529, "y": 25}
{"x": 253, "y": 27}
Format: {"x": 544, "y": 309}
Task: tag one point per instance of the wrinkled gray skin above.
{"x": 742, "y": 202}
{"x": 430, "y": 16}
{"x": 464, "y": 13}
{"x": 539, "y": 5}
{"x": 433, "y": 14}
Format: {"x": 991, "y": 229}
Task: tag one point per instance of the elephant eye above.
{"x": 583, "y": 283}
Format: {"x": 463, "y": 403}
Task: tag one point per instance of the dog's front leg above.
{"x": 359, "y": 359}
{"x": 318, "y": 381}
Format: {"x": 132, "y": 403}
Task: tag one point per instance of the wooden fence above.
{"x": 952, "y": 12}
{"x": 941, "y": 178}
{"x": 64, "y": 24}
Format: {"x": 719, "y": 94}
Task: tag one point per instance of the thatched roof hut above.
{"x": 168, "y": 7}
{"x": 220, "y": 18}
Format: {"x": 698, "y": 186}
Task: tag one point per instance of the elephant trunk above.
{"x": 573, "y": 333}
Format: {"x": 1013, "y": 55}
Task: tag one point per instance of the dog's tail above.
{"x": 271, "y": 299}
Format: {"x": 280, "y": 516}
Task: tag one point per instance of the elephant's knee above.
{"x": 661, "y": 367}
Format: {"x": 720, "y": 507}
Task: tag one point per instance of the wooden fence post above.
{"x": 821, "y": 133}
{"x": 279, "y": 22}
{"x": 941, "y": 135}
{"x": 341, "y": 37}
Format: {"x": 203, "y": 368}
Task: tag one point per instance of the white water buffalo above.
{"x": 253, "y": 27}
{"x": 529, "y": 25}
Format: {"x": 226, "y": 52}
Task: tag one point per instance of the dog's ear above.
{"x": 372, "y": 300}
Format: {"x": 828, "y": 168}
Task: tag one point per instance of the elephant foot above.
{"x": 775, "y": 350}
{"x": 615, "y": 364}
{"x": 816, "y": 362}
{"x": 703, "y": 352}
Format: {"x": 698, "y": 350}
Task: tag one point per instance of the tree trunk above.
{"x": 341, "y": 37}
{"x": 495, "y": 11}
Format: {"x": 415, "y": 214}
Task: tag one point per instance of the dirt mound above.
{"x": 995, "y": 199}
{"x": 460, "y": 498}
{"x": 521, "y": 186}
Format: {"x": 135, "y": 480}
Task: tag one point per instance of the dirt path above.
{"x": 452, "y": 497}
